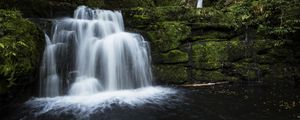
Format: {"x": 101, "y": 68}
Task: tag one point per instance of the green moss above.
{"x": 281, "y": 71}
{"x": 157, "y": 14}
{"x": 175, "y": 74}
{"x": 214, "y": 35}
{"x": 215, "y": 25}
{"x": 174, "y": 56}
{"x": 168, "y": 2}
{"x": 265, "y": 59}
{"x": 20, "y": 45}
{"x": 212, "y": 76}
{"x": 117, "y": 4}
{"x": 211, "y": 17}
{"x": 196, "y": 18}
{"x": 247, "y": 71}
{"x": 236, "y": 50}
{"x": 209, "y": 55}
{"x": 141, "y": 17}
{"x": 262, "y": 45}
{"x": 165, "y": 36}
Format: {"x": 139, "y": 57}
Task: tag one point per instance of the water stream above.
{"x": 200, "y": 4}
{"x": 93, "y": 48}
{"x": 90, "y": 63}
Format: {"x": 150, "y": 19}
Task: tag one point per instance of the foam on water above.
{"x": 85, "y": 105}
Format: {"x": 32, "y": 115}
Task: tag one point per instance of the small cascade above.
{"x": 51, "y": 80}
{"x": 200, "y": 4}
{"x": 94, "y": 46}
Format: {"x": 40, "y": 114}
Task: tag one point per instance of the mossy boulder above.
{"x": 211, "y": 76}
{"x": 209, "y": 55}
{"x": 171, "y": 13}
{"x": 152, "y": 15}
{"x": 21, "y": 44}
{"x": 174, "y": 56}
{"x": 165, "y": 36}
{"x": 211, "y": 35}
{"x": 211, "y": 17}
{"x": 236, "y": 49}
{"x": 121, "y": 4}
{"x": 170, "y": 74}
{"x": 265, "y": 59}
{"x": 169, "y": 2}
{"x": 246, "y": 71}
{"x": 202, "y": 17}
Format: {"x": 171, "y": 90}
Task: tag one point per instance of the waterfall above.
{"x": 199, "y": 3}
{"x": 90, "y": 53}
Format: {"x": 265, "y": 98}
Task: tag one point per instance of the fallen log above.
{"x": 204, "y": 84}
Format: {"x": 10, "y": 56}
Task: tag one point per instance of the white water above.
{"x": 92, "y": 53}
{"x": 82, "y": 106}
{"x": 200, "y": 4}
{"x": 48, "y": 69}
{"x": 90, "y": 63}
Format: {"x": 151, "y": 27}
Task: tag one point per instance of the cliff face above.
{"x": 226, "y": 40}
{"x": 230, "y": 41}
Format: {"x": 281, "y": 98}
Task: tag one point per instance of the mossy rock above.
{"x": 21, "y": 44}
{"x": 211, "y": 76}
{"x": 210, "y": 25}
{"x": 174, "y": 56}
{"x": 209, "y": 55}
{"x": 171, "y": 74}
{"x": 211, "y": 35}
{"x": 244, "y": 70}
{"x": 121, "y": 4}
{"x": 137, "y": 18}
{"x": 168, "y": 2}
{"x": 265, "y": 59}
{"x": 251, "y": 71}
{"x": 281, "y": 54}
{"x": 141, "y": 15}
{"x": 211, "y": 17}
{"x": 262, "y": 45}
{"x": 171, "y": 13}
{"x": 236, "y": 50}
{"x": 281, "y": 71}
{"x": 165, "y": 36}
{"x": 270, "y": 51}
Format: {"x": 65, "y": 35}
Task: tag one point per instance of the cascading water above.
{"x": 91, "y": 64}
{"x": 94, "y": 48}
{"x": 200, "y": 4}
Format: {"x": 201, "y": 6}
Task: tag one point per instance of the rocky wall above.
{"x": 207, "y": 45}
{"x": 196, "y": 45}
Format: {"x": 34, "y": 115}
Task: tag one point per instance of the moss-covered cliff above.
{"x": 233, "y": 40}
{"x": 251, "y": 40}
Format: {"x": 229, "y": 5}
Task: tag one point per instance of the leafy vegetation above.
{"x": 20, "y": 45}
{"x": 276, "y": 18}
